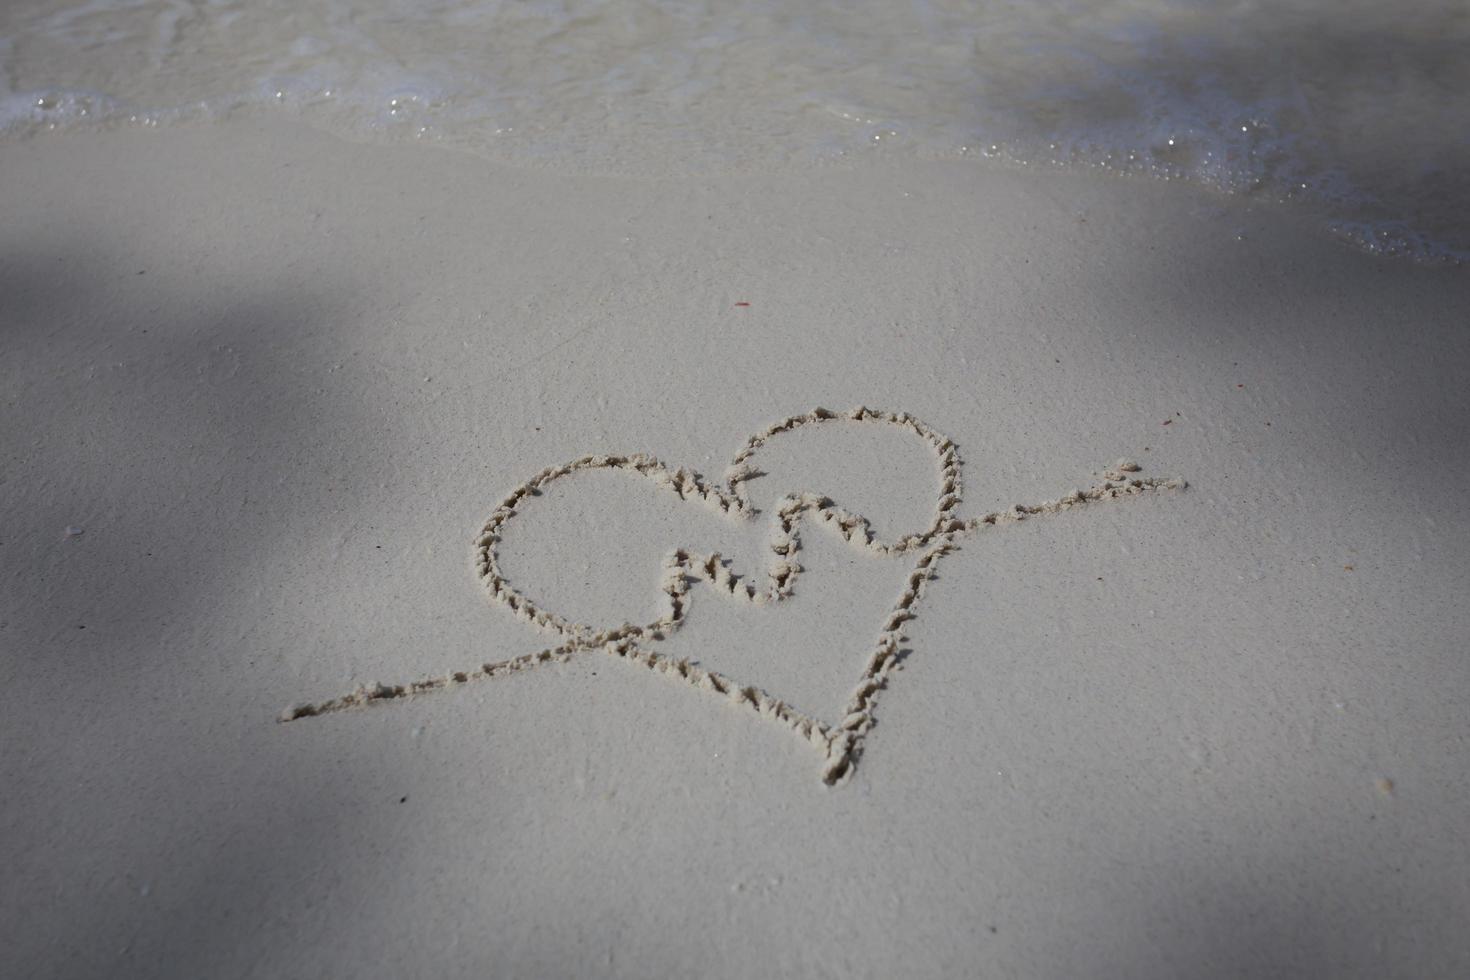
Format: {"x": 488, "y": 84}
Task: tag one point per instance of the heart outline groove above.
{"x": 840, "y": 744}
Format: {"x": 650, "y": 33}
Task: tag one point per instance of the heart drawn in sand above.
{"x": 839, "y": 742}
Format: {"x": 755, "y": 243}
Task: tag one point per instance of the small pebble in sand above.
{"x": 1384, "y": 785}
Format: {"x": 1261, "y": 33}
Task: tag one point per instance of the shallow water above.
{"x": 1354, "y": 111}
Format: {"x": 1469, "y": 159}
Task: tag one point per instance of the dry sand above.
{"x": 264, "y": 389}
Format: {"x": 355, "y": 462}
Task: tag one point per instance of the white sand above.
{"x": 280, "y": 382}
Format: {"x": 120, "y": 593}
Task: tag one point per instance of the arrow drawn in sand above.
{"x": 841, "y": 743}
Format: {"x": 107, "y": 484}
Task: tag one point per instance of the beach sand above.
{"x": 264, "y": 388}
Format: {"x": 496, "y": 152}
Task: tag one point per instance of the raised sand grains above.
{"x": 840, "y": 743}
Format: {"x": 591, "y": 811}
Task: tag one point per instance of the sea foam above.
{"x": 1355, "y": 111}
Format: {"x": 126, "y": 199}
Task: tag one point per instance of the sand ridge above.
{"x": 840, "y": 744}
